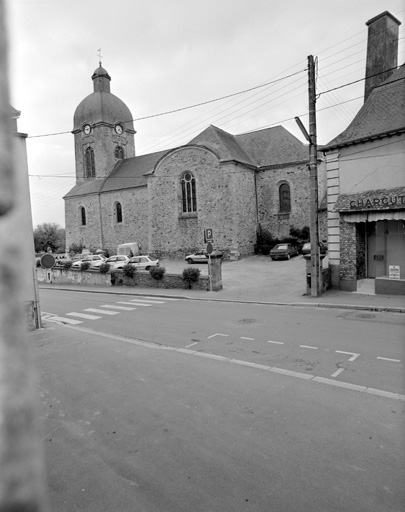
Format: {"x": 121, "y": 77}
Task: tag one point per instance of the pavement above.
{"x": 257, "y": 279}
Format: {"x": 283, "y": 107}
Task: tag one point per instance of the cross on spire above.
{"x": 99, "y": 56}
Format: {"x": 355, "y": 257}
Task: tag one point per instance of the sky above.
{"x": 245, "y": 61}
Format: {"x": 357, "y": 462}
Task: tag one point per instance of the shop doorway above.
{"x": 385, "y": 247}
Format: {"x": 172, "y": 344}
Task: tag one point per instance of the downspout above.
{"x": 257, "y": 201}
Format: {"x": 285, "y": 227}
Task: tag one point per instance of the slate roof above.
{"x": 383, "y": 113}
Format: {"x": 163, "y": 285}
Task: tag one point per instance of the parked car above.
{"x": 144, "y": 262}
{"x": 283, "y": 252}
{"x": 197, "y": 257}
{"x": 117, "y": 261}
{"x": 95, "y": 261}
{"x": 306, "y": 248}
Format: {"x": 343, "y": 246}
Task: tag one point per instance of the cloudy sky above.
{"x": 165, "y": 55}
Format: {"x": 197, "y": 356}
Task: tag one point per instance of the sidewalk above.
{"x": 257, "y": 280}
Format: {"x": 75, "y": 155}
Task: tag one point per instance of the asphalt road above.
{"x": 131, "y": 427}
{"x": 360, "y": 348}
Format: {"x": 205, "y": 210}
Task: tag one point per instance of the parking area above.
{"x": 256, "y": 275}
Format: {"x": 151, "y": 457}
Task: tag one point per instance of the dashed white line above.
{"x": 249, "y": 339}
{"x": 191, "y": 344}
{"x": 102, "y": 311}
{"x": 309, "y": 346}
{"x": 338, "y": 372}
{"x": 276, "y": 342}
{"x": 217, "y": 334}
{"x": 353, "y": 354}
{"x": 388, "y": 359}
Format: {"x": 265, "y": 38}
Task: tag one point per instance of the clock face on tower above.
{"x": 86, "y": 129}
{"x": 118, "y": 129}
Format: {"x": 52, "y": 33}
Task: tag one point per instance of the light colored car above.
{"x": 197, "y": 257}
{"x": 283, "y": 252}
{"x": 117, "y": 261}
{"x": 95, "y": 261}
{"x": 144, "y": 262}
{"x": 306, "y": 248}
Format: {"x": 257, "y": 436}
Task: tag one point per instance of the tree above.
{"x": 49, "y": 236}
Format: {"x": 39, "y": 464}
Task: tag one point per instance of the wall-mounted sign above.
{"x": 377, "y": 202}
{"x": 394, "y": 271}
{"x": 208, "y": 235}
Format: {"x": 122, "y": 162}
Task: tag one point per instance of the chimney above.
{"x": 382, "y": 50}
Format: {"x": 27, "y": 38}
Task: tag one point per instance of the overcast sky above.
{"x": 164, "y": 55}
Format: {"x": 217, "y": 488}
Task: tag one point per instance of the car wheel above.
{"x": 189, "y": 261}
{"x": 147, "y": 268}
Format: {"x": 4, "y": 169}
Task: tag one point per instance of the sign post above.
{"x": 208, "y": 239}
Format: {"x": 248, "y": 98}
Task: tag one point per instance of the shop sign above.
{"x": 394, "y": 271}
{"x": 378, "y": 202}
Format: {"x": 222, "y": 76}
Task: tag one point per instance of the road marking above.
{"x": 338, "y": 372}
{"x": 129, "y": 303}
{"x": 217, "y": 334}
{"x": 148, "y": 301}
{"x": 388, "y": 359}
{"x": 353, "y": 354}
{"x": 340, "y": 384}
{"x": 122, "y": 308}
{"x": 161, "y": 298}
{"x": 191, "y": 344}
{"x": 308, "y": 346}
{"x": 250, "y": 339}
{"x": 276, "y": 342}
{"x": 139, "y": 304}
{"x": 62, "y": 319}
{"x": 82, "y": 315}
{"x": 291, "y": 373}
{"x": 102, "y": 311}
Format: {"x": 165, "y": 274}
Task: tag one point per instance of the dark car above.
{"x": 283, "y": 252}
{"x": 306, "y": 248}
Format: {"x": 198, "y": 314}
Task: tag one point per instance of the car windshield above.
{"x": 151, "y": 258}
{"x": 282, "y": 247}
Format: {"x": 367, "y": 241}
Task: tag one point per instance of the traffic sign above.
{"x": 47, "y": 261}
{"x": 209, "y": 249}
{"x": 208, "y": 235}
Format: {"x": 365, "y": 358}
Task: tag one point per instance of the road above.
{"x": 362, "y": 348}
{"x": 135, "y": 420}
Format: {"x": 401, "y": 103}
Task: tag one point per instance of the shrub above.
{"x": 67, "y": 264}
{"x": 157, "y": 273}
{"x": 128, "y": 270}
{"x": 85, "y": 265}
{"x": 191, "y": 275}
{"x": 104, "y": 268}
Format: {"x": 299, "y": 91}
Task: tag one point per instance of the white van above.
{"x": 127, "y": 248}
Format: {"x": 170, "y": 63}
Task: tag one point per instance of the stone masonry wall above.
{"x": 90, "y": 234}
{"x": 268, "y": 183}
{"x": 348, "y": 251}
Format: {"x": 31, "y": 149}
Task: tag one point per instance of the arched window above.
{"x": 118, "y": 212}
{"x": 89, "y": 163}
{"x": 82, "y": 216}
{"x": 284, "y": 197}
{"x": 188, "y": 193}
{"x": 119, "y": 152}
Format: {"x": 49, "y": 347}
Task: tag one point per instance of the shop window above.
{"x": 89, "y": 163}
{"x": 119, "y": 152}
{"x": 284, "y": 198}
{"x": 83, "y": 219}
{"x": 188, "y": 193}
{"x": 118, "y": 213}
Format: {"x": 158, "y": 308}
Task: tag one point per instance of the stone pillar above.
{"x": 215, "y": 269}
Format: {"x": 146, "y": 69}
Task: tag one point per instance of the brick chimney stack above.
{"x": 382, "y": 50}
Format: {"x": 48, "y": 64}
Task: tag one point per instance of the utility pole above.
{"x": 313, "y": 179}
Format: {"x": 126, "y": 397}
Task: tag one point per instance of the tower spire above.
{"x": 99, "y": 56}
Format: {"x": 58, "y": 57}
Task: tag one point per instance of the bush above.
{"x": 104, "y": 268}
{"x": 128, "y": 270}
{"x": 85, "y": 265}
{"x": 157, "y": 273}
{"x": 191, "y": 275}
{"x": 67, "y": 264}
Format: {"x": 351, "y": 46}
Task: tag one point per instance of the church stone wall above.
{"x": 90, "y": 234}
{"x": 268, "y": 184}
{"x": 134, "y": 225}
{"x": 220, "y": 204}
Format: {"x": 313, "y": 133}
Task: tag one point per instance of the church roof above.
{"x": 223, "y": 144}
{"x": 382, "y": 114}
{"x": 273, "y": 146}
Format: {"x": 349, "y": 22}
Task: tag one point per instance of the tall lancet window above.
{"x": 89, "y": 163}
{"x": 188, "y": 193}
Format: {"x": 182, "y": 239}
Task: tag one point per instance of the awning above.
{"x": 373, "y": 216}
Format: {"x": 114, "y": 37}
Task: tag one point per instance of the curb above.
{"x": 387, "y": 309}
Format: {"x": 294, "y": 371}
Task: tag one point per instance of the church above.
{"x": 232, "y": 184}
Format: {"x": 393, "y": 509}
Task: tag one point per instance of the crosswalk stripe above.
{"x": 102, "y": 311}
{"x": 123, "y": 302}
{"x": 122, "y": 308}
{"x": 141, "y": 304}
{"x": 148, "y": 301}
{"x": 82, "y": 315}
{"x": 65, "y": 320}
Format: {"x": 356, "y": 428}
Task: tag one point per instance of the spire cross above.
{"x": 99, "y": 56}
